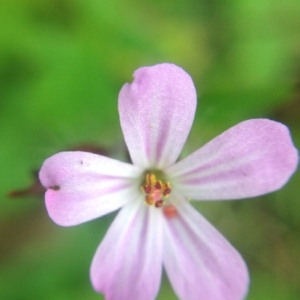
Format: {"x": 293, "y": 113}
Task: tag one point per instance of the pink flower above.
{"x": 157, "y": 227}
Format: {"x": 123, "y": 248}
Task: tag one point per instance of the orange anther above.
{"x": 156, "y": 191}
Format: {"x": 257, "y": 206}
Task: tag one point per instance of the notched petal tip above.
{"x": 83, "y": 186}
{"x": 156, "y": 113}
{"x": 55, "y": 187}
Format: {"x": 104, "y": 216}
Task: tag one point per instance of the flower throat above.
{"x": 156, "y": 191}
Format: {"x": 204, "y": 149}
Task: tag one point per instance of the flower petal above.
{"x": 199, "y": 261}
{"x": 128, "y": 262}
{"x": 82, "y": 186}
{"x": 156, "y": 114}
{"x": 250, "y": 159}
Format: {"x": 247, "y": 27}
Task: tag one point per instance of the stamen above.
{"x": 159, "y": 203}
{"x": 147, "y": 189}
{"x": 156, "y": 190}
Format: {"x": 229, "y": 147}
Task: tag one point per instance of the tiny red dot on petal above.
{"x": 170, "y": 211}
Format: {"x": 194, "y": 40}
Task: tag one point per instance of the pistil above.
{"x": 156, "y": 191}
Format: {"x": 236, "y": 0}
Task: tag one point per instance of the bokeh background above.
{"x": 62, "y": 64}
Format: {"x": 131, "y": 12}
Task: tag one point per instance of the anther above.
{"x": 159, "y": 203}
{"x": 156, "y": 191}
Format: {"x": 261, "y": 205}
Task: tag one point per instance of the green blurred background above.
{"x": 62, "y": 64}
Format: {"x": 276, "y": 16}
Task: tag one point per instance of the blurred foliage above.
{"x": 62, "y": 64}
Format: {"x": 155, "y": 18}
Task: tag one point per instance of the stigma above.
{"x": 156, "y": 191}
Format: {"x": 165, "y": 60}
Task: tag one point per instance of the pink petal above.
{"x": 156, "y": 114}
{"x": 199, "y": 261}
{"x": 250, "y": 159}
{"x": 128, "y": 262}
{"x": 82, "y": 186}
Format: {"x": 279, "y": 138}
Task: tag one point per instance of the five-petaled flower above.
{"x": 157, "y": 227}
